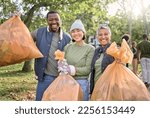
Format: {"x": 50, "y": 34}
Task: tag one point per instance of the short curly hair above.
{"x": 52, "y": 12}
{"x": 126, "y": 37}
{"x": 145, "y": 36}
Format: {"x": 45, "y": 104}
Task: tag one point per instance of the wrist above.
{"x": 72, "y": 70}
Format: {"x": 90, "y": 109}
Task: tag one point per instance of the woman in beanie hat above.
{"x": 79, "y": 56}
{"x": 100, "y": 59}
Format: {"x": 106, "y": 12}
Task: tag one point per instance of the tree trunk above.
{"x": 144, "y": 18}
{"x": 27, "y": 67}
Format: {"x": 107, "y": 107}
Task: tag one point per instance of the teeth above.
{"x": 54, "y": 25}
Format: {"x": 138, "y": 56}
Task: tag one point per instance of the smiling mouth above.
{"x": 54, "y": 26}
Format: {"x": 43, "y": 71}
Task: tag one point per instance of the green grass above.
{"x": 16, "y": 85}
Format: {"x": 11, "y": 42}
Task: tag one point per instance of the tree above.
{"x": 92, "y": 13}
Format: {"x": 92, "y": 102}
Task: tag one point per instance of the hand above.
{"x": 61, "y": 65}
{"x": 64, "y": 67}
{"x": 119, "y": 61}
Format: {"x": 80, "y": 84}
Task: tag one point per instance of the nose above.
{"x": 103, "y": 36}
{"x": 53, "y": 21}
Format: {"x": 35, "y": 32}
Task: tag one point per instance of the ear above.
{"x": 60, "y": 22}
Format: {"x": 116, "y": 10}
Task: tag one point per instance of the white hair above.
{"x": 104, "y": 26}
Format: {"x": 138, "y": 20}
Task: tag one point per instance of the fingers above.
{"x": 63, "y": 66}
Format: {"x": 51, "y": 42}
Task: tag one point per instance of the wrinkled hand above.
{"x": 119, "y": 61}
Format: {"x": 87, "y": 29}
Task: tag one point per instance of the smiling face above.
{"x": 103, "y": 36}
{"x": 77, "y": 35}
{"x": 54, "y": 22}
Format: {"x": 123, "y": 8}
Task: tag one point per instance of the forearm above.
{"x": 138, "y": 54}
{"x": 85, "y": 70}
{"x": 82, "y": 71}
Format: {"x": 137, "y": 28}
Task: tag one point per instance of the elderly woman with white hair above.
{"x": 100, "y": 59}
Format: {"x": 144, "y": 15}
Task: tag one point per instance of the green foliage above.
{"x": 91, "y": 12}
{"x": 118, "y": 27}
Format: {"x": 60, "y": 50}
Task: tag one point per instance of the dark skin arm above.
{"x": 138, "y": 55}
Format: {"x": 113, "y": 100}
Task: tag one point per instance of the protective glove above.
{"x": 61, "y": 65}
{"x": 70, "y": 69}
{"x": 64, "y": 67}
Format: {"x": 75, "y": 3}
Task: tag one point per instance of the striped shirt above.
{"x": 80, "y": 57}
{"x": 97, "y": 66}
{"x": 144, "y": 47}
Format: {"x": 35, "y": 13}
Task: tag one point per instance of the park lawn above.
{"x": 16, "y": 85}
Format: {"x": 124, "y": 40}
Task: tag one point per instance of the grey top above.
{"x": 51, "y": 67}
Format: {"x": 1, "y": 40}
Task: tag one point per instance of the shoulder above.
{"x": 65, "y": 34}
{"x": 140, "y": 44}
{"x": 41, "y": 28}
{"x": 89, "y": 46}
{"x": 69, "y": 45}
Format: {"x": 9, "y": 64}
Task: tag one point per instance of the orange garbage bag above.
{"x": 63, "y": 88}
{"x": 16, "y": 43}
{"x": 119, "y": 83}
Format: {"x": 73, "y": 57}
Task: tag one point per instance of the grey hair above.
{"x": 103, "y": 26}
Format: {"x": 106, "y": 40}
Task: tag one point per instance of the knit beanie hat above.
{"x": 77, "y": 25}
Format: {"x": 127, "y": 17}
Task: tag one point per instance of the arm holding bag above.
{"x": 64, "y": 87}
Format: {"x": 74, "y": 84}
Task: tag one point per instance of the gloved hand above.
{"x": 64, "y": 67}
{"x": 61, "y": 65}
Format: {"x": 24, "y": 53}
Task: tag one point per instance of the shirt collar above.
{"x": 103, "y": 49}
{"x": 60, "y": 32}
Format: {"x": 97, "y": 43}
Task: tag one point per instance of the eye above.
{"x": 100, "y": 34}
{"x": 56, "y": 19}
{"x": 106, "y": 34}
